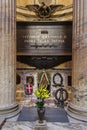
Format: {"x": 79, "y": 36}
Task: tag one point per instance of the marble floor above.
{"x": 49, "y": 125}
{"x": 12, "y": 124}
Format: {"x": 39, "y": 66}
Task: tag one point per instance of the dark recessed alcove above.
{"x": 45, "y": 62}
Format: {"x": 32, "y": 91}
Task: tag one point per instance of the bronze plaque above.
{"x": 44, "y": 38}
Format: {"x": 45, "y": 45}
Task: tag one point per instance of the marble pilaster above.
{"x": 78, "y": 107}
{"x": 8, "y": 105}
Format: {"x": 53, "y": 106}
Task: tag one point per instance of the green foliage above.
{"x": 40, "y": 103}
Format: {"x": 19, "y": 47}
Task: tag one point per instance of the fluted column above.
{"x": 8, "y": 105}
{"x": 78, "y": 107}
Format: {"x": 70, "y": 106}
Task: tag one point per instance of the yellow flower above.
{"x": 42, "y": 92}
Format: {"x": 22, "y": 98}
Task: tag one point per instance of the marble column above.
{"x": 78, "y": 106}
{"x": 8, "y": 105}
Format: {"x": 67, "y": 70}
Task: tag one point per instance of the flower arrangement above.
{"x": 41, "y": 93}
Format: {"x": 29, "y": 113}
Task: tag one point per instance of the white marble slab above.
{"x": 50, "y": 126}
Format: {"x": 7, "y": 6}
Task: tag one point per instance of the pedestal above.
{"x": 40, "y": 126}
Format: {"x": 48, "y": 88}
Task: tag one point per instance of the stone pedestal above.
{"x": 40, "y": 126}
{"x": 78, "y": 107}
{"x": 8, "y": 105}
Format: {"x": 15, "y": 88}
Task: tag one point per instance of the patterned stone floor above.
{"x": 50, "y": 126}
{"x": 12, "y": 124}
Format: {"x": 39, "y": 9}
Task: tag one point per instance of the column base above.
{"x": 77, "y": 112}
{"x": 10, "y": 111}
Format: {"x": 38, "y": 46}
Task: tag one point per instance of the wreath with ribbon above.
{"x": 61, "y": 95}
{"x": 43, "y": 75}
{"x": 61, "y": 79}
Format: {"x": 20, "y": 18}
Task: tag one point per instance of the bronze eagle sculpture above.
{"x": 44, "y": 11}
